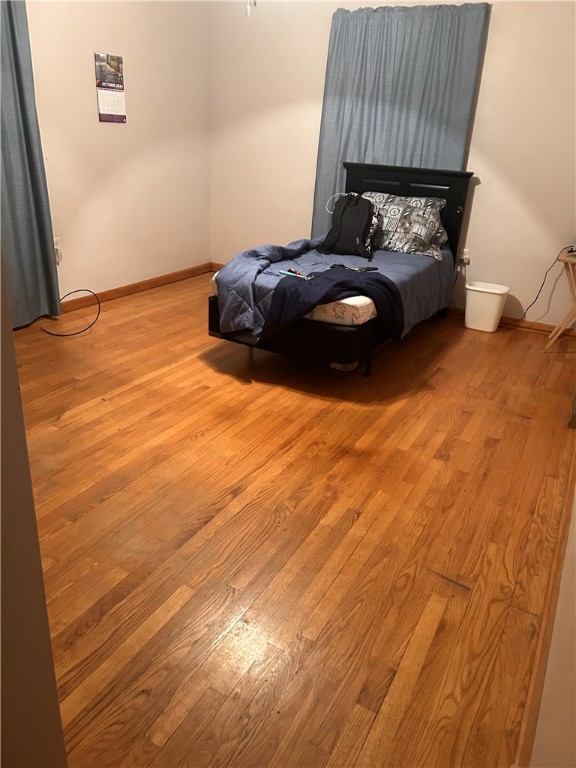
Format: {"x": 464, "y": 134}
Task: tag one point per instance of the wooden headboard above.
{"x": 451, "y": 186}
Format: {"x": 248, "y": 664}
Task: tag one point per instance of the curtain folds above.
{"x": 27, "y": 237}
{"x": 400, "y": 89}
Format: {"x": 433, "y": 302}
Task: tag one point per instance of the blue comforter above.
{"x": 246, "y": 284}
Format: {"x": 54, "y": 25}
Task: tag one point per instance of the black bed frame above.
{"x": 326, "y": 343}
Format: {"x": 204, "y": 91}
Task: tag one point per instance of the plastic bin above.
{"x": 484, "y": 305}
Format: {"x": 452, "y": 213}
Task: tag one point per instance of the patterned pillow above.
{"x": 408, "y": 224}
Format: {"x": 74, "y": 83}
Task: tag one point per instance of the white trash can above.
{"x": 484, "y": 305}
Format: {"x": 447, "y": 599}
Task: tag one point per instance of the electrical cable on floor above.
{"x": 518, "y": 319}
{"x": 457, "y": 273}
{"x": 83, "y": 330}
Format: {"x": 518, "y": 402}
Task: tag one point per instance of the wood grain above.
{"x": 251, "y": 562}
{"x": 143, "y": 285}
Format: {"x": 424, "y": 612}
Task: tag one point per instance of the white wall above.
{"x": 223, "y": 121}
{"x": 129, "y": 201}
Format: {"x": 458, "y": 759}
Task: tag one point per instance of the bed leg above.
{"x": 443, "y": 313}
{"x": 368, "y": 367}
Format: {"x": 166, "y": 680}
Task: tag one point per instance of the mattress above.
{"x": 354, "y": 310}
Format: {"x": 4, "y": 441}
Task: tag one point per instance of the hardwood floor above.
{"x": 253, "y": 563}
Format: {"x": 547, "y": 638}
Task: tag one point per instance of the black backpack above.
{"x": 351, "y": 222}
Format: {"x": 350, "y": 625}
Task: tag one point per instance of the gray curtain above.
{"x": 27, "y": 238}
{"x": 401, "y": 86}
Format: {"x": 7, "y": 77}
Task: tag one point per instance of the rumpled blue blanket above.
{"x": 245, "y": 285}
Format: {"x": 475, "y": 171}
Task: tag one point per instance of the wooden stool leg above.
{"x": 570, "y": 269}
{"x": 570, "y": 317}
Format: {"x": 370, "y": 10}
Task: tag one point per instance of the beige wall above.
{"x": 29, "y": 718}
{"x": 267, "y": 86}
{"x": 523, "y": 151}
{"x": 129, "y": 201}
{"x": 554, "y": 740}
{"x": 235, "y": 137}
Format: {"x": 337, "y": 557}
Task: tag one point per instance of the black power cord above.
{"x": 518, "y": 319}
{"x": 82, "y": 330}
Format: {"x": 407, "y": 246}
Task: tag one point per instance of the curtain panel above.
{"x": 27, "y": 238}
{"x": 401, "y": 86}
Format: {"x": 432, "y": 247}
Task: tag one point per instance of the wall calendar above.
{"x": 110, "y": 88}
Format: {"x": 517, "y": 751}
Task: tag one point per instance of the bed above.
{"x": 354, "y": 324}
